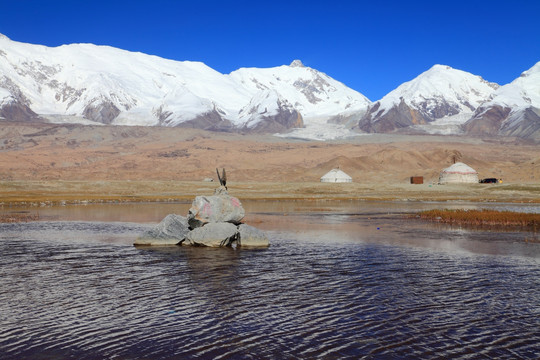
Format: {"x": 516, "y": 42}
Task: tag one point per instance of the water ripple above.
{"x": 80, "y": 290}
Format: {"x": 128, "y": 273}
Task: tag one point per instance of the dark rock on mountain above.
{"x": 487, "y": 121}
{"x": 284, "y": 120}
{"x": 103, "y": 112}
{"x": 524, "y": 124}
{"x": 211, "y": 121}
{"x": 401, "y": 116}
{"x": 16, "y": 111}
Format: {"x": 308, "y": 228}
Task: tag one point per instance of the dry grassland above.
{"x": 63, "y": 192}
{"x": 50, "y": 164}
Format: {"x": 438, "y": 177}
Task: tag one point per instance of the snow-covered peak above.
{"x": 439, "y": 67}
{"x": 90, "y": 83}
{"x": 459, "y": 88}
{"x": 439, "y": 93}
{"x": 522, "y": 92}
{"x": 311, "y": 92}
{"x": 532, "y": 71}
{"x": 106, "y": 84}
{"x": 71, "y": 79}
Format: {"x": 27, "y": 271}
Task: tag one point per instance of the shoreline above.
{"x": 37, "y": 193}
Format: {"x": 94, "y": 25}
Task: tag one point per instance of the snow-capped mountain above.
{"x": 437, "y": 94}
{"x": 86, "y": 83}
{"x": 298, "y": 83}
{"x": 513, "y": 110}
{"x": 89, "y": 84}
{"x": 316, "y": 96}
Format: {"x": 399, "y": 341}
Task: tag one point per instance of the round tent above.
{"x": 458, "y": 173}
{"x": 336, "y": 176}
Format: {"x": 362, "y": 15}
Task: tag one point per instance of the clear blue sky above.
{"x": 372, "y": 47}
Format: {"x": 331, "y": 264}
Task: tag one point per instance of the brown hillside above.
{"x": 74, "y": 152}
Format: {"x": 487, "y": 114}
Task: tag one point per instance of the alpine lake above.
{"x": 340, "y": 280}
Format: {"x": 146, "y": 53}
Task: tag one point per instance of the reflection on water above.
{"x": 338, "y": 282}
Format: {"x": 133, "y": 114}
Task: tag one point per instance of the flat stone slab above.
{"x": 170, "y": 231}
{"x": 250, "y": 236}
{"x": 213, "y": 235}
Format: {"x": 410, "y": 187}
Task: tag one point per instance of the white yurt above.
{"x": 458, "y": 173}
{"x": 336, "y": 176}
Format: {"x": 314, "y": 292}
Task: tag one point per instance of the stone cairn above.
{"x": 214, "y": 221}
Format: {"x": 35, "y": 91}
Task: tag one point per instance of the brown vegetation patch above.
{"x": 17, "y": 217}
{"x": 173, "y": 154}
{"x": 484, "y": 217}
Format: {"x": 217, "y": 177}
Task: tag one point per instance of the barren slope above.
{"x": 74, "y": 152}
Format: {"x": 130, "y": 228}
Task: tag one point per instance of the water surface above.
{"x": 339, "y": 281}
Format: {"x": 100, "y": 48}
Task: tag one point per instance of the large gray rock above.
{"x": 250, "y": 236}
{"x": 213, "y": 235}
{"x": 170, "y": 231}
{"x": 215, "y": 209}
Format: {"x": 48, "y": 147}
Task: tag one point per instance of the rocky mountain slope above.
{"x": 325, "y": 96}
{"x": 435, "y": 94}
{"x": 85, "y": 83}
{"x": 443, "y": 100}
{"x": 513, "y": 110}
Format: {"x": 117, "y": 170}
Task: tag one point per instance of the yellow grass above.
{"x": 56, "y": 192}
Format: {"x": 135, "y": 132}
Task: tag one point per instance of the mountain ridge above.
{"x": 513, "y": 110}
{"x": 438, "y": 92}
{"x": 100, "y": 84}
